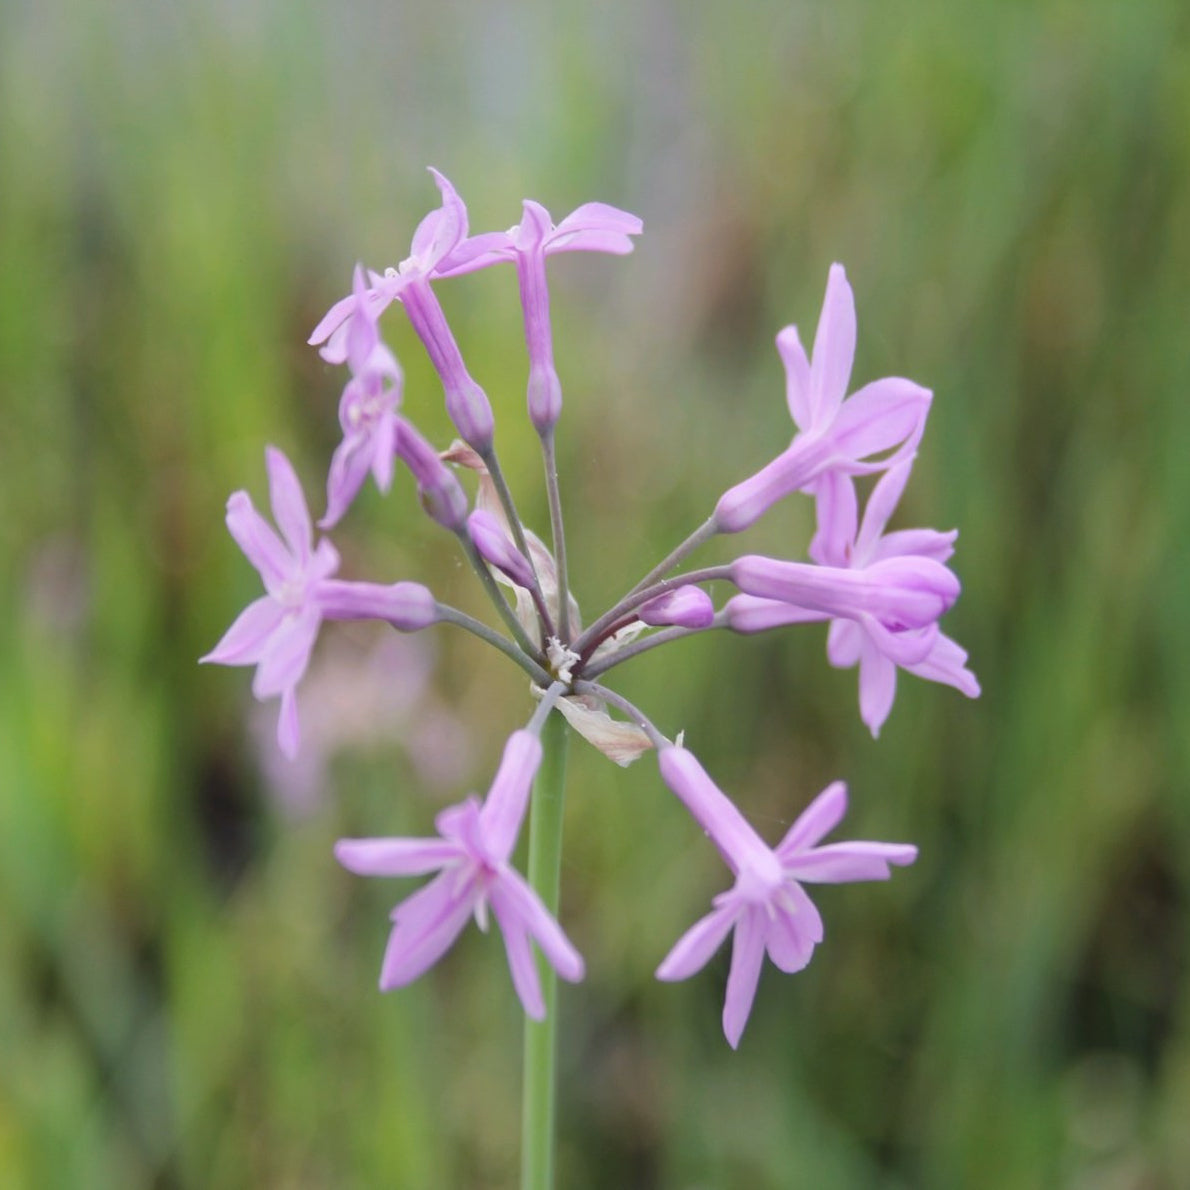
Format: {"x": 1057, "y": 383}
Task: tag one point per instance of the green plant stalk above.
{"x": 541, "y": 1037}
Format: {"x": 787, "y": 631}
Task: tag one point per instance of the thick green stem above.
{"x": 541, "y": 1037}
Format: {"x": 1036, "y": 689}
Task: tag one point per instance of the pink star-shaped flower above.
{"x": 767, "y": 908}
{"x": 472, "y": 859}
{"x": 593, "y": 227}
{"x": 276, "y": 632}
{"x": 864, "y": 637}
{"x": 367, "y": 411}
{"x": 438, "y": 234}
{"x": 834, "y": 434}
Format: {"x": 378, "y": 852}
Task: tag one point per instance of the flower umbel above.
{"x": 881, "y": 592}
{"x": 767, "y": 908}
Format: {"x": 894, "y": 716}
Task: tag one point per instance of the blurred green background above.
{"x": 187, "y": 979}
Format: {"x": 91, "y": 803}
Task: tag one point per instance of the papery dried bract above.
{"x": 617, "y": 740}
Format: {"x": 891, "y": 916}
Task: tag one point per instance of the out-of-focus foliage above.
{"x": 187, "y": 980}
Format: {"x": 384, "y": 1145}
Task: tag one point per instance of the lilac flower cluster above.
{"x": 882, "y": 594}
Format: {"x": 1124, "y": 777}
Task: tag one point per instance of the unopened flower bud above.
{"x": 687, "y": 607}
{"x": 441, "y": 493}
{"x": 497, "y": 550}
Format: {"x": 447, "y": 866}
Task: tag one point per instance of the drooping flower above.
{"x": 438, "y": 234}
{"x": 367, "y": 410}
{"x": 767, "y": 908}
{"x": 472, "y": 859}
{"x": 593, "y": 227}
{"x": 862, "y": 639}
{"x": 833, "y": 434}
{"x": 276, "y": 632}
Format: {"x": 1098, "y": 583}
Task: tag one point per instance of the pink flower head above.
{"x": 767, "y": 907}
{"x": 472, "y": 859}
{"x": 862, "y": 639}
{"x": 438, "y": 234}
{"x": 367, "y": 410}
{"x": 593, "y": 227}
{"x": 833, "y": 434}
{"x": 276, "y": 632}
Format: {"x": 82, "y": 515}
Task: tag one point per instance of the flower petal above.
{"x": 927, "y": 543}
{"x": 288, "y": 731}
{"x": 395, "y": 857}
{"x": 425, "y": 927}
{"x": 747, "y": 955}
{"x": 512, "y": 895}
{"x": 332, "y": 320}
{"x": 521, "y": 963}
{"x": 877, "y": 685}
{"x": 599, "y": 216}
{"x": 844, "y": 643}
{"x": 287, "y": 653}
{"x": 440, "y": 232}
{"x": 362, "y": 337}
{"x": 383, "y": 451}
{"x": 843, "y": 863}
{"x": 349, "y": 469}
{"x": 289, "y": 505}
{"x": 794, "y": 932}
{"x": 693, "y": 950}
{"x": 816, "y": 821}
{"x": 905, "y": 648}
{"x": 947, "y": 662}
{"x": 834, "y": 348}
{"x": 407, "y": 606}
{"x": 245, "y": 641}
{"x": 610, "y": 242}
{"x": 797, "y": 378}
{"x": 881, "y": 505}
{"x": 884, "y": 414}
{"x": 837, "y": 510}
{"x": 504, "y": 807}
{"x": 261, "y": 545}
{"x": 477, "y": 252}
